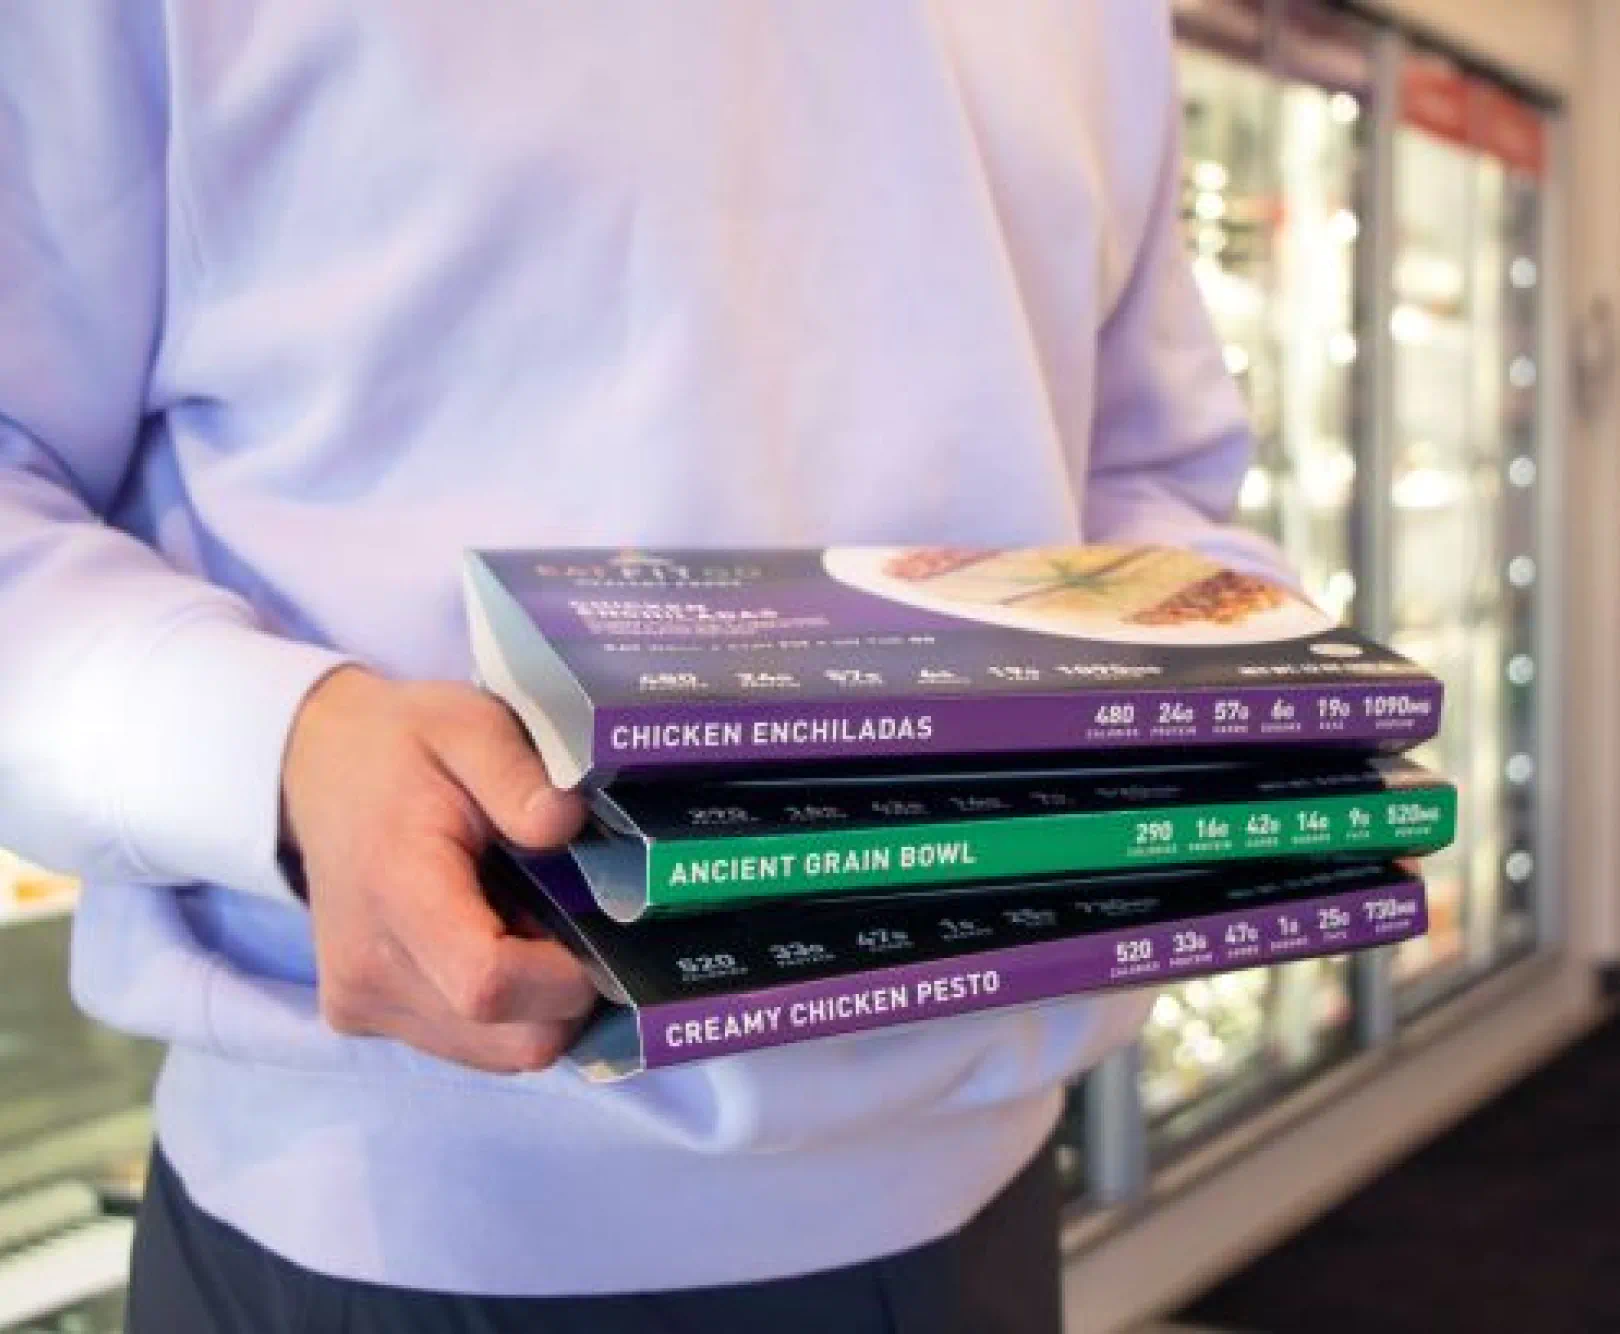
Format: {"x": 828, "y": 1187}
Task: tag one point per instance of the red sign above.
{"x": 1437, "y": 97}
{"x": 1434, "y": 97}
{"x": 1511, "y": 130}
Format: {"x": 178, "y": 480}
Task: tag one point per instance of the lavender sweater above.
{"x": 299, "y": 299}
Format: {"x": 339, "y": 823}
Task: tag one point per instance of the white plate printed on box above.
{"x": 864, "y": 568}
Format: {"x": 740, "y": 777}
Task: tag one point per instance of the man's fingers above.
{"x": 497, "y": 1048}
{"x": 421, "y": 1019}
{"x": 506, "y": 1048}
{"x": 483, "y": 747}
{"x": 483, "y": 973}
{"x": 393, "y": 791}
{"x": 401, "y": 1004}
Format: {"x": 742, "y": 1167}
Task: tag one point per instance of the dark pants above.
{"x": 999, "y": 1275}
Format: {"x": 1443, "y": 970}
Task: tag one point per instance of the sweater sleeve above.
{"x": 143, "y": 712}
{"x": 1170, "y": 439}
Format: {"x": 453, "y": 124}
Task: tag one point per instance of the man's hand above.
{"x": 391, "y": 792}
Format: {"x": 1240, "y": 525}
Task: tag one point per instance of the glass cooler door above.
{"x": 1273, "y": 207}
{"x": 1465, "y": 339}
{"x": 1322, "y": 108}
{"x": 1398, "y": 464}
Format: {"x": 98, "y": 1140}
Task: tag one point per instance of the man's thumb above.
{"x": 487, "y": 752}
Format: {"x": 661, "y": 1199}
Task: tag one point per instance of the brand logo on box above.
{"x": 630, "y": 567}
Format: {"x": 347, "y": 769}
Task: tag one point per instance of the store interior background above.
{"x": 1406, "y": 220}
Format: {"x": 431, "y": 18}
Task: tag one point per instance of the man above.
{"x": 300, "y": 298}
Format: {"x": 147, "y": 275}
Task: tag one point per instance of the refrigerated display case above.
{"x": 1273, "y": 202}
{"x": 1464, "y": 329}
{"x": 1365, "y": 223}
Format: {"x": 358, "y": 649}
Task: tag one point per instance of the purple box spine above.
{"x": 1401, "y": 712}
{"x": 1159, "y": 954}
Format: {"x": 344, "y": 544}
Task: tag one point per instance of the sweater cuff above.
{"x": 207, "y": 714}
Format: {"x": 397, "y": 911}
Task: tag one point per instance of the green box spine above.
{"x": 690, "y": 874}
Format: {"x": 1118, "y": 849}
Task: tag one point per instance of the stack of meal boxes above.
{"x": 839, "y": 790}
